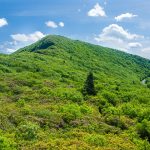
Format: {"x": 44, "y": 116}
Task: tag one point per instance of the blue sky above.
{"x": 120, "y": 24}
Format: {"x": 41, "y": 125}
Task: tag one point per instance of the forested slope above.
{"x": 42, "y": 105}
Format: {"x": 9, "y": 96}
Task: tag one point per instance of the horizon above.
{"x": 117, "y": 25}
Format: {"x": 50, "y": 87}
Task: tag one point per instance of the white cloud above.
{"x": 116, "y": 31}
{"x": 19, "y": 41}
{"x": 146, "y": 49}
{"x": 117, "y": 37}
{"x": 125, "y": 16}
{"x": 97, "y": 11}
{"x": 9, "y": 47}
{"x": 3, "y": 22}
{"x": 135, "y": 45}
{"x": 51, "y": 24}
{"x": 61, "y": 24}
{"x": 28, "y": 37}
{"x": 10, "y": 50}
{"x": 145, "y": 52}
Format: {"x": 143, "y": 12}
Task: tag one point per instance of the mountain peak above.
{"x": 46, "y": 42}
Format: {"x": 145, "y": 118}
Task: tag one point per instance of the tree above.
{"x": 89, "y": 88}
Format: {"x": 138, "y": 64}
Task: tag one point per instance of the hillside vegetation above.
{"x": 43, "y": 107}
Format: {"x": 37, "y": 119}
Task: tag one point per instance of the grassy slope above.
{"x": 41, "y": 105}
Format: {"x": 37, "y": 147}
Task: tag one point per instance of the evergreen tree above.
{"x": 89, "y": 88}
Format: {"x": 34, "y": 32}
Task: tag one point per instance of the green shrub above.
{"x": 110, "y": 110}
{"x": 70, "y": 112}
{"x": 6, "y": 144}
{"x": 49, "y": 119}
{"x": 70, "y": 94}
{"x": 27, "y": 132}
{"x": 74, "y": 111}
{"x": 44, "y": 113}
{"x": 20, "y": 103}
{"x": 119, "y": 121}
{"x": 45, "y": 91}
{"x": 86, "y": 109}
{"x": 130, "y": 110}
{"x": 143, "y": 129}
{"x": 26, "y": 111}
{"x": 144, "y": 114}
{"x": 111, "y": 98}
{"x": 3, "y": 88}
{"x": 96, "y": 140}
{"x": 16, "y": 90}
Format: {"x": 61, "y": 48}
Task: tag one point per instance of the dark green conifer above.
{"x": 89, "y": 88}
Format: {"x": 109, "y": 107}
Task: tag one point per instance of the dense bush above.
{"x": 143, "y": 129}
{"x": 6, "y": 143}
{"x": 112, "y": 98}
{"x": 27, "y": 132}
{"x": 119, "y": 121}
{"x": 21, "y": 103}
{"x": 73, "y": 111}
{"x": 97, "y": 140}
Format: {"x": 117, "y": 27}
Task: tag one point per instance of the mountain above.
{"x": 42, "y": 105}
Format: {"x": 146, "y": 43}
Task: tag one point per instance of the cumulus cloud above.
{"x": 117, "y": 32}
{"x": 19, "y": 41}
{"x": 117, "y": 37}
{"x": 125, "y": 16}
{"x": 28, "y": 37}
{"x": 8, "y": 47}
{"x": 61, "y": 24}
{"x": 3, "y": 22}
{"x": 97, "y": 11}
{"x": 51, "y": 24}
{"x": 135, "y": 45}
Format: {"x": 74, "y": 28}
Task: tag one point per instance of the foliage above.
{"x": 27, "y": 131}
{"x": 4, "y": 144}
{"x": 97, "y": 140}
{"x": 20, "y": 103}
{"x": 143, "y": 129}
{"x": 42, "y": 105}
{"x": 89, "y": 85}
